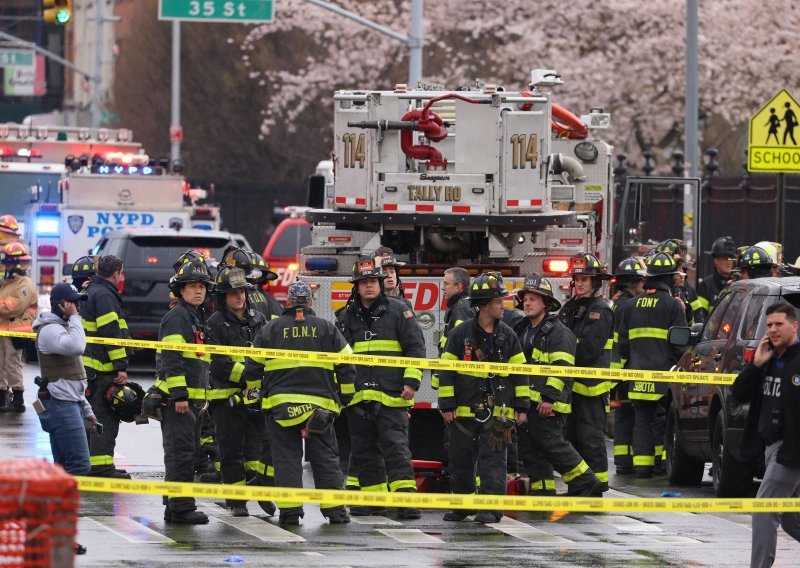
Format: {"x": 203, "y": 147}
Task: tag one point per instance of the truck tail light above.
{"x": 556, "y": 265}
{"x": 47, "y": 250}
{"x": 121, "y": 283}
{"x": 47, "y": 274}
{"x": 749, "y": 354}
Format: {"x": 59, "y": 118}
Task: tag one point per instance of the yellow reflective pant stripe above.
{"x": 101, "y": 460}
{"x": 623, "y": 450}
{"x": 280, "y": 364}
{"x": 373, "y": 345}
{"x": 644, "y": 461}
{"x": 609, "y": 343}
{"x": 579, "y": 469}
{"x": 352, "y": 481}
{"x": 403, "y": 484}
{"x": 269, "y": 472}
{"x": 602, "y": 476}
{"x": 382, "y": 487}
{"x": 647, "y": 333}
{"x": 206, "y": 440}
{"x": 256, "y": 466}
{"x": 296, "y": 420}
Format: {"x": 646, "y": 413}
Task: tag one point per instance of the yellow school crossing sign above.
{"x": 774, "y": 135}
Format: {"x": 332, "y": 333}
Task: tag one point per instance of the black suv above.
{"x": 704, "y": 422}
{"x": 148, "y": 256}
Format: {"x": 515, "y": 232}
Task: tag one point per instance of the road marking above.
{"x": 526, "y": 532}
{"x": 669, "y": 539}
{"x": 410, "y": 536}
{"x": 627, "y": 524}
{"x": 375, "y": 520}
{"x": 312, "y": 554}
{"x": 130, "y": 530}
{"x": 262, "y": 530}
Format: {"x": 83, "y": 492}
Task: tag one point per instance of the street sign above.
{"x": 176, "y": 134}
{"x": 774, "y": 134}
{"x": 231, "y": 11}
{"x": 16, "y": 57}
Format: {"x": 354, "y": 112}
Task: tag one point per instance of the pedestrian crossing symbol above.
{"x": 772, "y": 144}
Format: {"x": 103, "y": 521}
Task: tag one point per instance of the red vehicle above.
{"x": 282, "y": 252}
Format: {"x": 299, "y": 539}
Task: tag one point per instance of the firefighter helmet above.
{"x": 125, "y": 400}
{"x": 192, "y": 271}
{"x": 386, "y": 257}
{"x": 83, "y": 268}
{"x": 724, "y": 246}
{"x": 262, "y": 266}
{"x": 756, "y": 256}
{"x": 661, "y": 264}
{"x": 774, "y": 250}
{"x": 9, "y": 225}
{"x": 188, "y": 256}
{"x": 630, "y": 268}
{"x": 486, "y": 287}
{"x": 541, "y": 286}
{"x": 14, "y": 253}
{"x": 587, "y": 264}
{"x": 240, "y": 258}
{"x": 366, "y": 267}
{"x": 230, "y": 278}
{"x": 675, "y": 247}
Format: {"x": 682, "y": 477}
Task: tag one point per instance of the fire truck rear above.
{"x": 482, "y": 178}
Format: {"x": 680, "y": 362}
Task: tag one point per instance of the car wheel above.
{"x": 682, "y": 469}
{"x": 732, "y": 478}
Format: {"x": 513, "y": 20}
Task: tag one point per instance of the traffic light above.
{"x": 57, "y": 11}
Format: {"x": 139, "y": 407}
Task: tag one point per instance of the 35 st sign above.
{"x": 232, "y": 11}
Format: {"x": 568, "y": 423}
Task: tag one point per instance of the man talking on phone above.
{"x": 771, "y": 384}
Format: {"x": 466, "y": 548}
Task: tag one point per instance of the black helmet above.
{"x": 755, "y": 256}
{"x": 125, "y": 400}
{"x": 630, "y": 268}
{"x": 538, "y": 285}
{"x": 230, "y": 278}
{"x": 366, "y": 267}
{"x": 486, "y": 287}
{"x": 260, "y": 265}
{"x": 724, "y": 246}
{"x": 241, "y": 258}
{"x": 661, "y": 264}
{"x": 84, "y": 268}
{"x": 587, "y": 264}
{"x": 192, "y": 271}
{"x": 188, "y": 256}
{"x": 675, "y": 247}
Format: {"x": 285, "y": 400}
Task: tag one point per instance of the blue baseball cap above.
{"x": 66, "y": 292}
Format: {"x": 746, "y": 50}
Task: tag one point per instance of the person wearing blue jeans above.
{"x": 62, "y": 406}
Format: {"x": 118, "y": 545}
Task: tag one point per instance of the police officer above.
{"x": 235, "y": 405}
{"x": 82, "y": 271}
{"x": 378, "y": 415}
{"x": 756, "y": 262}
{"x": 590, "y": 318}
{"x": 723, "y": 254}
{"x": 390, "y": 265}
{"x": 681, "y": 287}
{"x": 257, "y": 299}
{"x": 547, "y": 341}
{"x": 628, "y": 283}
{"x": 18, "y": 303}
{"x": 182, "y": 376}
{"x": 302, "y": 401}
{"x": 643, "y": 345}
{"x": 481, "y": 409}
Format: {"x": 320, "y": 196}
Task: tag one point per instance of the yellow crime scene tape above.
{"x": 438, "y": 500}
{"x": 417, "y": 362}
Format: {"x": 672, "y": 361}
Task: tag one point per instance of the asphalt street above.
{"x": 129, "y": 530}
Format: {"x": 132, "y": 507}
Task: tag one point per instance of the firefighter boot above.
{"x": 17, "y": 403}
{"x": 488, "y": 517}
{"x": 239, "y": 509}
{"x": 291, "y": 516}
{"x": 4, "y": 402}
{"x": 457, "y": 515}
{"x": 408, "y": 513}
{"x": 336, "y": 515}
{"x": 186, "y": 517}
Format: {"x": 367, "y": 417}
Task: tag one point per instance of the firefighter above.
{"x": 206, "y": 462}
{"x": 18, "y": 303}
{"x": 628, "y": 283}
{"x": 681, "y": 288}
{"x": 590, "y": 318}
{"x": 481, "y": 409}
{"x": 182, "y": 377}
{"x": 757, "y": 262}
{"x": 545, "y": 340}
{"x": 455, "y": 284}
{"x": 723, "y": 254}
{"x": 235, "y": 405}
{"x": 302, "y": 401}
{"x": 643, "y": 345}
{"x": 9, "y": 233}
{"x": 378, "y": 414}
{"x": 106, "y": 365}
{"x": 82, "y": 271}
{"x": 257, "y": 299}
{"x": 390, "y": 265}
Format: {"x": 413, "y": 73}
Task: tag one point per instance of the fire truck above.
{"x": 96, "y": 195}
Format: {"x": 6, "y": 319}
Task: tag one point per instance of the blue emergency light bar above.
{"x": 127, "y": 170}
{"x": 48, "y": 225}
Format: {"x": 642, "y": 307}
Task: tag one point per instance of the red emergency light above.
{"x": 47, "y": 250}
{"x": 556, "y": 265}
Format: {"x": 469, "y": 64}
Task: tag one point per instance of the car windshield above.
{"x": 291, "y": 239}
{"x": 163, "y": 251}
